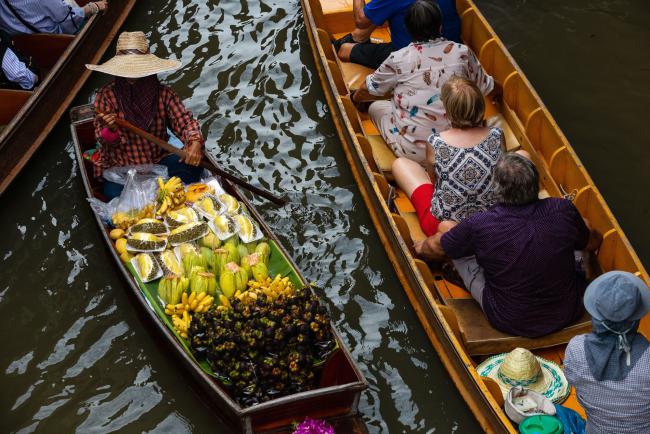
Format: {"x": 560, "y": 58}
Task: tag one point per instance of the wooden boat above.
{"x": 27, "y": 117}
{"x": 341, "y": 382}
{"x": 454, "y": 322}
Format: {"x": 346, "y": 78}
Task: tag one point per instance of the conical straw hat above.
{"x": 520, "y": 367}
{"x": 133, "y": 59}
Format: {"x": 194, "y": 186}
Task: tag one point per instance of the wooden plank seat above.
{"x": 382, "y": 154}
{"x": 354, "y": 75}
{"x": 480, "y": 338}
{"x": 411, "y": 220}
{"x": 497, "y": 120}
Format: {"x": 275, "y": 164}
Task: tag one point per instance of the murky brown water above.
{"x": 77, "y": 356}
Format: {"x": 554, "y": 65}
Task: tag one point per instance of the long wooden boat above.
{"x": 454, "y": 322}
{"x": 340, "y": 380}
{"x": 27, "y": 117}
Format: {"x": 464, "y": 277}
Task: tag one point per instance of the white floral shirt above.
{"x": 415, "y": 74}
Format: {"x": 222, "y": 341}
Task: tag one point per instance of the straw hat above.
{"x": 520, "y": 367}
{"x": 133, "y": 59}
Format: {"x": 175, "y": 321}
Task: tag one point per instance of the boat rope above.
{"x": 568, "y": 196}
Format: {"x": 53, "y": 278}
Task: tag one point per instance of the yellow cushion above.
{"x": 384, "y": 156}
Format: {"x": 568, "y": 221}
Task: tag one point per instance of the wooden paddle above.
{"x": 205, "y": 163}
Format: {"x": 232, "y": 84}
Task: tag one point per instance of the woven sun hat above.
{"x": 133, "y": 59}
{"x": 522, "y": 368}
{"x": 617, "y": 296}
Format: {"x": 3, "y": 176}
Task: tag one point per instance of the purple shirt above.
{"x": 527, "y": 255}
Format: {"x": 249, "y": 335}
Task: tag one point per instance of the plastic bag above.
{"x": 144, "y": 172}
{"x": 136, "y": 201}
{"x": 104, "y": 210}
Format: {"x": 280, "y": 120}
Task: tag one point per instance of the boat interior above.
{"x": 44, "y": 50}
{"x": 527, "y": 125}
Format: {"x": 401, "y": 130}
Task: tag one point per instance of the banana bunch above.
{"x": 182, "y": 323}
{"x": 272, "y": 288}
{"x": 195, "y": 302}
{"x": 171, "y": 195}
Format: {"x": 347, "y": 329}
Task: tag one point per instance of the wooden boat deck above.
{"x": 527, "y": 125}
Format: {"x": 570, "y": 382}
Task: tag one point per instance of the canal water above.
{"x": 77, "y": 356}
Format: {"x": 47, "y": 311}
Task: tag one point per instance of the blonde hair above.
{"x": 463, "y": 102}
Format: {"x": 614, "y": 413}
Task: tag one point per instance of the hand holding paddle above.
{"x": 203, "y": 162}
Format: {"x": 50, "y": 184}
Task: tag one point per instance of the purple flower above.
{"x": 314, "y": 426}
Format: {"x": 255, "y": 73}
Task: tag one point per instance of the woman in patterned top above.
{"x": 137, "y": 96}
{"x": 460, "y": 162}
{"x": 415, "y": 76}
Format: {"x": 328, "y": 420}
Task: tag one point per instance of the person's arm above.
{"x": 477, "y": 74}
{"x": 185, "y": 127}
{"x": 430, "y": 248}
{"x": 106, "y": 131}
{"x": 17, "y": 72}
{"x": 361, "y": 21}
{"x": 455, "y": 243}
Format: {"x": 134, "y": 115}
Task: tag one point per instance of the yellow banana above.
{"x": 201, "y": 296}
{"x": 184, "y": 298}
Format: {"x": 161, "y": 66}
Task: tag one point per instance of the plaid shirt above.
{"x": 131, "y": 148}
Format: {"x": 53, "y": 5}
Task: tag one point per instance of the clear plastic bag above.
{"x": 119, "y": 174}
{"x": 104, "y": 210}
{"x": 136, "y": 201}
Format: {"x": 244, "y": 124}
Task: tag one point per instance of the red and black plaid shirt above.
{"x": 131, "y": 148}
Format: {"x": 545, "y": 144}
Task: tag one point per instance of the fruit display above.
{"x": 194, "y": 192}
{"x": 123, "y": 220}
{"x": 223, "y": 226}
{"x": 171, "y": 195}
{"x": 181, "y": 216}
{"x": 150, "y": 226}
{"x": 209, "y": 206}
{"x": 206, "y": 263}
{"x": 145, "y": 242}
{"x": 232, "y": 205}
{"x": 188, "y": 232}
{"x": 264, "y": 345}
{"x": 248, "y": 230}
{"x": 147, "y": 267}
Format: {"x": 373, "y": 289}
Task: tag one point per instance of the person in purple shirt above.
{"x": 518, "y": 258}
{"x": 356, "y": 47}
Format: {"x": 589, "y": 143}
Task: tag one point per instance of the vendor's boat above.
{"x": 339, "y": 381}
{"x": 454, "y": 322}
{"x": 27, "y": 117}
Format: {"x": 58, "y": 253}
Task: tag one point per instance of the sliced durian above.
{"x": 188, "y": 232}
{"x": 209, "y": 206}
{"x": 232, "y": 204}
{"x": 169, "y": 263}
{"x": 145, "y": 242}
{"x": 180, "y": 217}
{"x": 146, "y": 266}
{"x": 150, "y": 226}
{"x": 223, "y": 226}
{"x": 248, "y": 230}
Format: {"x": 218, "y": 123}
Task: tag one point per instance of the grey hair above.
{"x": 516, "y": 180}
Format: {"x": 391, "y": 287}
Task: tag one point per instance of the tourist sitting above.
{"x": 610, "y": 367}
{"x": 17, "y": 72}
{"x": 518, "y": 258}
{"x": 138, "y": 97}
{"x": 45, "y": 16}
{"x": 460, "y": 162}
{"x": 356, "y": 47}
{"x": 415, "y": 75}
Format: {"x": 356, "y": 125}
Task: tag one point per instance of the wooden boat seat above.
{"x": 382, "y": 154}
{"x": 354, "y": 75}
{"x": 12, "y": 101}
{"x": 413, "y": 224}
{"x": 480, "y": 338}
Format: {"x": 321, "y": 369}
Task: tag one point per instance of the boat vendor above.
{"x": 415, "y": 76}
{"x": 518, "y": 258}
{"x": 356, "y": 47}
{"x": 138, "y": 97}
{"x": 17, "y": 71}
{"x": 610, "y": 367}
{"x": 45, "y": 16}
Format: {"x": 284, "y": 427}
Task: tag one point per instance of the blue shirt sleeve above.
{"x": 459, "y": 242}
{"x": 379, "y": 11}
{"x": 67, "y": 19}
{"x": 16, "y": 71}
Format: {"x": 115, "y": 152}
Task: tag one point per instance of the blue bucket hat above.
{"x": 617, "y": 296}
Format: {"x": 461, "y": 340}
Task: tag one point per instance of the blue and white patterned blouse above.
{"x": 464, "y": 176}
